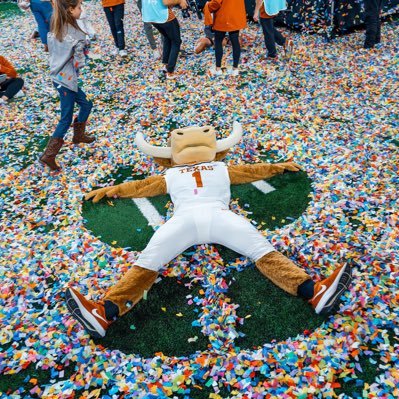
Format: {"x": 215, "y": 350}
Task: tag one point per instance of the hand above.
{"x": 183, "y": 4}
{"x": 256, "y": 16}
{"x": 102, "y": 192}
{"x": 291, "y": 166}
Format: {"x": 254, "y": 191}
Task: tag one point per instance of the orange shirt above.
{"x": 112, "y": 3}
{"x": 171, "y": 15}
{"x": 228, "y": 15}
{"x": 262, "y": 12}
{"x": 7, "y": 68}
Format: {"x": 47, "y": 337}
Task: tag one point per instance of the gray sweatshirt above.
{"x": 67, "y": 57}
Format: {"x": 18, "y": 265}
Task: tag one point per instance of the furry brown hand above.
{"x": 149, "y": 187}
{"x": 291, "y": 166}
{"x": 102, "y": 192}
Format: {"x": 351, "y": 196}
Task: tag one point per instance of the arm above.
{"x": 257, "y": 9}
{"x": 240, "y": 174}
{"x": 79, "y": 54}
{"x": 149, "y": 187}
{"x": 7, "y": 68}
{"x": 214, "y": 5}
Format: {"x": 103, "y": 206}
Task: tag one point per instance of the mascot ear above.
{"x": 221, "y": 155}
{"x": 165, "y": 162}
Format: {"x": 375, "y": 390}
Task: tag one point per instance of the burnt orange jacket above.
{"x": 111, "y": 3}
{"x": 228, "y": 15}
{"x": 7, "y": 68}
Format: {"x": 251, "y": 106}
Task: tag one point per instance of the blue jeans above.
{"x": 42, "y": 11}
{"x": 68, "y": 99}
{"x": 115, "y": 16}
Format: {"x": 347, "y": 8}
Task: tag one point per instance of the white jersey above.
{"x": 206, "y": 184}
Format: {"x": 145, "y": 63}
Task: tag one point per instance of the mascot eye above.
{"x": 206, "y": 130}
{"x": 180, "y": 133}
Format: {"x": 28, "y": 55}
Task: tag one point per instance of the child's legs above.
{"x": 172, "y": 31}
{"x": 47, "y": 11}
{"x": 149, "y": 33}
{"x": 42, "y": 17}
{"x": 268, "y": 34}
{"x": 11, "y": 87}
{"x": 109, "y": 13}
{"x": 219, "y": 36}
{"x": 371, "y": 18}
{"x": 119, "y": 13}
{"x": 67, "y": 102}
{"x": 235, "y": 42}
{"x": 85, "y": 105}
{"x": 279, "y": 38}
{"x": 147, "y": 28}
{"x": 165, "y": 41}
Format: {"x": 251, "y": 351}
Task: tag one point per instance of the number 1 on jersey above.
{"x": 197, "y": 177}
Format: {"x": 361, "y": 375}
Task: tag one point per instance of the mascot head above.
{"x": 191, "y": 145}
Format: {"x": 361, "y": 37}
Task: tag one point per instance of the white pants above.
{"x": 203, "y": 225}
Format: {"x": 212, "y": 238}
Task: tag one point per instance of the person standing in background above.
{"x": 270, "y": 33}
{"x": 228, "y": 16}
{"x": 372, "y": 10}
{"x": 42, "y": 10}
{"x": 149, "y": 33}
{"x": 161, "y": 16}
{"x": 115, "y": 12}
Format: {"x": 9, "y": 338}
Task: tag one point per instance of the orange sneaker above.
{"x": 327, "y": 293}
{"x": 89, "y": 314}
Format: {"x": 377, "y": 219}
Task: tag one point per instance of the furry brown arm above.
{"x": 149, "y": 187}
{"x": 240, "y": 174}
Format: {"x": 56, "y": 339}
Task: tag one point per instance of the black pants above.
{"x": 372, "y": 20}
{"x": 10, "y": 87}
{"x": 235, "y": 42}
{"x": 170, "y": 32}
{"x": 115, "y": 16}
{"x": 271, "y": 36}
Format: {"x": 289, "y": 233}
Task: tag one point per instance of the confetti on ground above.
{"x": 333, "y": 108}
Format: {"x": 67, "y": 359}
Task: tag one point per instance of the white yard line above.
{"x": 261, "y": 185}
{"x": 149, "y": 212}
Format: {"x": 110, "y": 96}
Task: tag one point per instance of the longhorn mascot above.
{"x": 198, "y": 183}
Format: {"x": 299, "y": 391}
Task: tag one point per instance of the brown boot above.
{"x": 79, "y": 135}
{"x": 282, "y": 271}
{"x": 53, "y": 148}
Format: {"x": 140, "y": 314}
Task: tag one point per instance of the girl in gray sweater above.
{"x": 67, "y": 48}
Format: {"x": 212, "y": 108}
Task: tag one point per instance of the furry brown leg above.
{"x": 130, "y": 288}
{"x": 282, "y": 272}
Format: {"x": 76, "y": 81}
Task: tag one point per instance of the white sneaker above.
{"x": 170, "y": 76}
{"x": 156, "y": 55}
{"x": 233, "y": 71}
{"x": 20, "y": 94}
{"x": 215, "y": 71}
{"x": 3, "y": 102}
{"x": 115, "y": 51}
{"x": 123, "y": 53}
